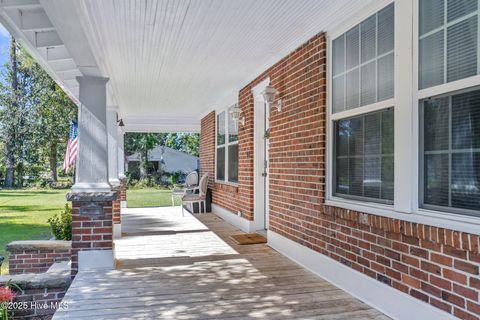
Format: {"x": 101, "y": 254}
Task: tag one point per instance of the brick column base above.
{"x": 92, "y": 230}
{"x": 116, "y": 213}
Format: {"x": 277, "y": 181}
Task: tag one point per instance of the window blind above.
{"x": 363, "y": 62}
{"x": 364, "y": 155}
{"x": 448, "y": 41}
{"x": 450, "y": 130}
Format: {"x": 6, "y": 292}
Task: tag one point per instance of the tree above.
{"x": 14, "y": 117}
{"x": 53, "y": 112}
{"x": 34, "y": 117}
{"x": 10, "y": 111}
{"x": 186, "y": 142}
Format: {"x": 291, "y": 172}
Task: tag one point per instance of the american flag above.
{"x": 72, "y": 147}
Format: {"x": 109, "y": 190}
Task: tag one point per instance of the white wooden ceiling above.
{"x": 169, "y": 60}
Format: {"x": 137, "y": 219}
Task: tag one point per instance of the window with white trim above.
{"x": 448, "y": 41}
{"x": 362, "y": 112}
{"x": 449, "y": 135}
{"x": 227, "y": 147}
{"x": 363, "y": 63}
{"x": 450, "y": 152}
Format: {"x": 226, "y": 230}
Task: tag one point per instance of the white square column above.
{"x": 92, "y": 196}
{"x": 91, "y": 174}
{"x": 121, "y": 167}
{"x": 121, "y": 153}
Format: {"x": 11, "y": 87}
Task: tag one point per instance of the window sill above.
{"x": 227, "y": 183}
{"x": 428, "y": 217}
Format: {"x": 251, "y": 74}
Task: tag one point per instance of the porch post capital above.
{"x": 92, "y": 160}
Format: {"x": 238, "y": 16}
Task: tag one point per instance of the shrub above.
{"x": 61, "y": 224}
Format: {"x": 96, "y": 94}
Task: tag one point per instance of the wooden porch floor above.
{"x": 174, "y": 267}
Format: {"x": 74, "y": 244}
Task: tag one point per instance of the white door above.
{"x": 261, "y": 163}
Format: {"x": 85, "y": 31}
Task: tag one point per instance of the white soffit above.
{"x": 178, "y": 59}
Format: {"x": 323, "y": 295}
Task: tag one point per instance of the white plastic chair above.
{"x": 199, "y": 196}
{"x": 191, "y": 181}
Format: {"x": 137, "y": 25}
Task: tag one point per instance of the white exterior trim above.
{"x": 258, "y": 199}
{"x": 405, "y": 168}
{"x": 161, "y": 124}
{"x": 388, "y": 300}
{"x": 95, "y": 260}
{"x": 227, "y": 143}
{"x": 117, "y": 230}
{"x": 233, "y": 218}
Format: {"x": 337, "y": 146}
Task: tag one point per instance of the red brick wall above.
{"x": 91, "y": 232}
{"x": 116, "y": 204}
{"x": 40, "y": 304}
{"x": 207, "y": 147}
{"x": 123, "y": 190}
{"x": 35, "y": 260}
{"x": 435, "y": 265}
{"x": 233, "y": 198}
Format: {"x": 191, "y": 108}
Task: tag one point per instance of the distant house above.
{"x": 168, "y": 159}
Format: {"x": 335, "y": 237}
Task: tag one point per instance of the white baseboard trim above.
{"x": 388, "y": 300}
{"x": 95, "y": 260}
{"x": 117, "y": 230}
{"x": 232, "y": 218}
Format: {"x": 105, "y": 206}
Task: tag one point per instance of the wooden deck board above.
{"x": 174, "y": 267}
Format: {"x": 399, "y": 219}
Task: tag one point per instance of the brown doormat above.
{"x": 248, "y": 238}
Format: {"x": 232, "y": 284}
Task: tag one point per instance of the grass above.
{"x": 150, "y": 197}
{"x": 24, "y": 215}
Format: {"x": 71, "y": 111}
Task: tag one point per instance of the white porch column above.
{"x": 91, "y": 173}
{"x": 121, "y": 167}
{"x": 121, "y": 153}
{"x": 91, "y": 196}
{"x": 112, "y": 146}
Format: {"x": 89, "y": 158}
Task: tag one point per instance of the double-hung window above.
{"x": 227, "y": 147}
{"x": 449, "y": 137}
{"x": 362, "y": 110}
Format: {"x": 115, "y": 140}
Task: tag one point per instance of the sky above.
{"x": 4, "y": 43}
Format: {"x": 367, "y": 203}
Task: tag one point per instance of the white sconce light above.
{"x": 236, "y": 115}
{"x": 270, "y": 94}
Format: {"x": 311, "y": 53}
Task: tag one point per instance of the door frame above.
{"x": 260, "y": 200}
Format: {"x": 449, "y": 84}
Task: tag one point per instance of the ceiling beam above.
{"x": 35, "y": 20}
{"x": 45, "y": 39}
{"x": 161, "y": 124}
{"x": 17, "y": 4}
{"x": 69, "y": 75}
{"x": 59, "y": 53}
{"x": 63, "y": 65}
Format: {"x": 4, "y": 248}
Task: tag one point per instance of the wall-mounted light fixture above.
{"x": 237, "y": 115}
{"x": 120, "y": 122}
{"x": 270, "y": 94}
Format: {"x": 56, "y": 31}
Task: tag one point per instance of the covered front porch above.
{"x": 174, "y": 267}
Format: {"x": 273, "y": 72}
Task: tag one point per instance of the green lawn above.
{"x": 150, "y": 197}
{"x": 24, "y": 214}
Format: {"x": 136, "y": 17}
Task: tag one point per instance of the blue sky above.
{"x": 4, "y": 43}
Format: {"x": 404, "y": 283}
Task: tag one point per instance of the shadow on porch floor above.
{"x": 174, "y": 267}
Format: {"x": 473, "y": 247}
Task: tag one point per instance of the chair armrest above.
{"x": 192, "y": 189}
